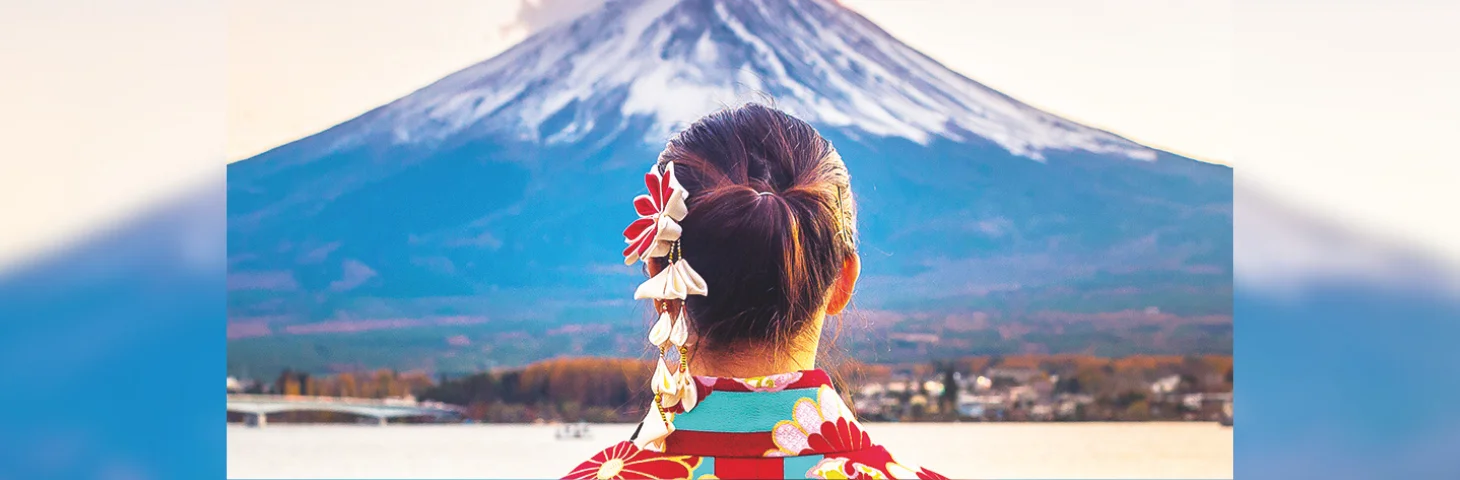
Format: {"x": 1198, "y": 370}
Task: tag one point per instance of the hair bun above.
{"x": 771, "y": 220}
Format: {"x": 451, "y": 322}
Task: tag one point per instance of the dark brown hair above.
{"x": 771, "y": 220}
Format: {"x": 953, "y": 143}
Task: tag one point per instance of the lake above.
{"x": 958, "y": 450}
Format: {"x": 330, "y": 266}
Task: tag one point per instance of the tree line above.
{"x": 597, "y": 389}
{"x": 382, "y": 383}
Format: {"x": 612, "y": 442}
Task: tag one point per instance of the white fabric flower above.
{"x": 683, "y": 391}
{"x": 661, "y": 331}
{"x": 666, "y": 383}
{"x": 679, "y": 333}
{"x": 676, "y": 282}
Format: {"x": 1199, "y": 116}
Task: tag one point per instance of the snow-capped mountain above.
{"x": 498, "y": 193}
{"x": 674, "y": 60}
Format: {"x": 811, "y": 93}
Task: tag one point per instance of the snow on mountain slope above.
{"x": 674, "y": 60}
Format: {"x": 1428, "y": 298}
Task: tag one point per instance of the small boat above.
{"x": 578, "y": 431}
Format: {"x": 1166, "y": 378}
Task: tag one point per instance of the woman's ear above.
{"x": 845, "y": 284}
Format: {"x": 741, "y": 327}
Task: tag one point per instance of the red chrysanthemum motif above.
{"x": 925, "y": 474}
{"x": 839, "y": 435}
{"x": 624, "y": 461}
{"x": 651, "y": 235}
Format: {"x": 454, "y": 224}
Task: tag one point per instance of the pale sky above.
{"x": 1344, "y": 108}
{"x": 107, "y": 108}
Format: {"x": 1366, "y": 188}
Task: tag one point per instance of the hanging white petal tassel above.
{"x": 665, "y": 383}
{"x": 693, "y": 283}
{"x": 667, "y": 400}
{"x": 661, "y": 331}
{"x": 676, "y": 287}
{"x": 652, "y": 434}
{"x": 654, "y": 287}
{"x": 689, "y": 393}
{"x": 676, "y": 282}
{"x": 679, "y": 333}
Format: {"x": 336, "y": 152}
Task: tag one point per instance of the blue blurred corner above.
{"x": 112, "y": 351}
{"x": 1345, "y": 351}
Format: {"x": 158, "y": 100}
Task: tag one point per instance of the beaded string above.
{"x": 659, "y": 397}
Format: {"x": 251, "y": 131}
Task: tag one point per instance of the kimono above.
{"x": 790, "y": 425}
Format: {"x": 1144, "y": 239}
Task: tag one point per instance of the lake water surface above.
{"x": 958, "y": 450}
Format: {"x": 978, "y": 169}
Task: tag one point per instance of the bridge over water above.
{"x": 258, "y": 407}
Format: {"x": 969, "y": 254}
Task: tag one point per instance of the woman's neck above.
{"x": 758, "y": 360}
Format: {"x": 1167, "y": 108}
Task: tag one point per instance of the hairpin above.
{"x": 657, "y": 234}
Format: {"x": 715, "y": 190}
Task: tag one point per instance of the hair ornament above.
{"x": 656, "y": 234}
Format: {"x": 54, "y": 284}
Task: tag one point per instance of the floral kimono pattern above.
{"x": 791, "y": 425}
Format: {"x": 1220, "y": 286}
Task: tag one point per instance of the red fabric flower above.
{"x": 625, "y": 461}
{"x": 651, "y": 235}
{"x": 837, "y": 436}
{"x": 925, "y": 474}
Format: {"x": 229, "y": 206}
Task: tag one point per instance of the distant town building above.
{"x": 1067, "y": 409}
{"x": 1042, "y": 411}
{"x": 1023, "y": 393}
{"x": 1192, "y": 401}
{"x": 1043, "y": 388}
{"x": 1166, "y": 385}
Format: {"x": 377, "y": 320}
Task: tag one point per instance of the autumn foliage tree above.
{"x": 567, "y": 389}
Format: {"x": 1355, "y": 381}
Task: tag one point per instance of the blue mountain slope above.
{"x": 491, "y": 202}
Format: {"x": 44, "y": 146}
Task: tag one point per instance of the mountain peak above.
{"x": 672, "y": 61}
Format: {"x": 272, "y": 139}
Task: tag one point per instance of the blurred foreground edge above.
{"x": 116, "y": 341}
{"x": 1345, "y": 342}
